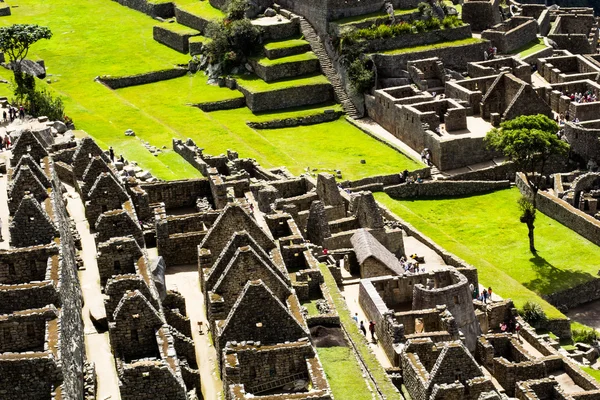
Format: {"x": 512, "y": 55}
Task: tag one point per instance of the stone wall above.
{"x": 584, "y": 140}
{"x": 289, "y": 97}
{"x": 420, "y": 39}
{"x": 190, "y": 19}
{"x": 118, "y": 82}
{"x": 177, "y": 194}
{"x": 455, "y": 57}
{"x": 297, "y": 121}
{"x": 153, "y": 9}
{"x": 512, "y": 34}
{"x": 481, "y": 14}
{"x": 30, "y": 377}
{"x": 175, "y": 40}
{"x": 443, "y": 188}
{"x": 156, "y": 377}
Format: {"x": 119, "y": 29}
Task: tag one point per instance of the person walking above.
{"x": 355, "y": 318}
{"x": 111, "y": 152}
{"x": 362, "y": 328}
{"x": 372, "y": 329}
{"x": 484, "y": 295}
{"x": 490, "y": 293}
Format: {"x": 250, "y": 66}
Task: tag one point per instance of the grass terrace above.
{"x": 121, "y": 44}
{"x": 439, "y": 45}
{"x": 200, "y": 8}
{"x": 254, "y": 84}
{"x": 530, "y": 48}
{"x": 285, "y": 44}
{"x": 485, "y": 231}
{"x": 308, "y": 56}
{"x": 343, "y": 373}
{"x": 372, "y": 17}
{"x": 179, "y": 29}
{"x": 377, "y": 371}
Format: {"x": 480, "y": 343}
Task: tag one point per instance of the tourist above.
{"x": 4, "y": 115}
{"x": 111, "y": 152}
{"x": 325, "y": 251}
{"x": 503, "y": 327}
{"x": 428, "y": 158}
{"x": 490, "y": 293}
{"x": 355, "y": 317}
{"x": 6, "y": 141}
{"x": 484, "y": 295}
{"x": 372, "y": 329}
{"x": 122, "y": 159}
{"x": 518, "y": 331}
{"x": 362, "y": 328}
{"x": 419, "y": 180}
{"x": 21, "y": 112}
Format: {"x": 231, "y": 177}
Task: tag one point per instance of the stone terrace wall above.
{"x": 118, "y": 82}
{"x": 585, "y": 225}
{"x": 411, "y": 40}
{"x": 457, "y": 58}
{"x": 153, "y": 9}
{"x": 285, "y": 98}
{"x": 443, "y": 188}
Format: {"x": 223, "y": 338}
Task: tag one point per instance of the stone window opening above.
{"x": 28, "y": 148}
{"x": 117, "y": 267}
{"x": 134, "y": 336}
{"x": 272, "y": 371}
{"x": 456, "y": 300}
{"x": 104, "y": 208}
{"x": 458, "y": 376}
{"x": 30, "y": 331}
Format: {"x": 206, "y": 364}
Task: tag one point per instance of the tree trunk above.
{"x": 530, "y": 227}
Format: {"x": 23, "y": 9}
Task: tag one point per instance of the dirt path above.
{"x": 184, "y": 279}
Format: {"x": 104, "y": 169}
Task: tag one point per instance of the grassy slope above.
{"x": 343, "y": 373}
{"x": 530, "y": 48}
{"x": 485, "y": 231}
{"x": 308, "y": 56}
{"x": 439, "y": 45}
{"x": 120, "y": 43}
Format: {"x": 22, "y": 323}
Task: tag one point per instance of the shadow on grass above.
{"x": 552, "y": 279}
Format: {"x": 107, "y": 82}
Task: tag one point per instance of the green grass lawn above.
{"x": 311, "y": 307}
{"x": 120, "y": 43}
{"x": 594, "y": 373}
{"x": 372, "y": 16}
{"x": 343, "y": 373}
{"x": 308, "y": 56}
{"x": 377, "y": 371}
{"x": 285, "y": 44}
{"x": 530, "y": 48}
{"x": 485, "y": 231}
{"x": 256, "y": 85}
{"x": 452, "y": 43}
{"x": 200, "y": 8}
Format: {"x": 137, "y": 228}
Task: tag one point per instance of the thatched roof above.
{"x": 365, "y": 246}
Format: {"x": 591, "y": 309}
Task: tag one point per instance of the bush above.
{"x": 41, "y": 102}
{"x": 585, "y": 335}
{"x": 236, "y": 9}
{"x": 451, "y": 21}
{"x": 533, "y": 314}
{"x": 361, "y": 77}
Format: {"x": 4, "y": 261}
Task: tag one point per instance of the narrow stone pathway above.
{"x": 97, "y": 345}
{"x": 311, "y": 36}
{"x": 185, "y": 280}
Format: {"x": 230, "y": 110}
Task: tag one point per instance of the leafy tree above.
{"x": 15, "y": 41}
{"x": 529, "y": 141}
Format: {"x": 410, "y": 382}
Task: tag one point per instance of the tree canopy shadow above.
{"x": 552, "y": 279}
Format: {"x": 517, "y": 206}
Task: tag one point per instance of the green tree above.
{"x": 529, "y": 141}
{"x": 15, "y": 41}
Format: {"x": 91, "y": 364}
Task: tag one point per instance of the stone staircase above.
{"x": 311, "y": 36}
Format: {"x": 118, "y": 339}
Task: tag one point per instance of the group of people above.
{"x": 511, "y": 326}
{"x": 586, "y": 97}
{"x": 405, "y": 178}
{"x": 411, "y": 265}
{"x": 361, "y": 326}
{"x": 562, "y": 118}
{"x": 484, "y": 296}
{"x": 426, "y": 156}
{"x": 13, "y": 113}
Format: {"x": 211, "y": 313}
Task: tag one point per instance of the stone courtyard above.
{"x": 116, "y": 284}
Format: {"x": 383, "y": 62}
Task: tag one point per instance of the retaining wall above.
{"x": 162, "y": 10}
{"x": 118, "y": 82}
{"x": 444, "y": 188}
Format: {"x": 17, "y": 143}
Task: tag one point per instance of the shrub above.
{"x": 533, "y": 314}
{"x": 41, "y": 102}
{"x": 585, "y": 335}
{"x": 361, "y": 77}
{"x": 451, "y": 21}
{"x": 236, "y": 9}
{"x": 420, "y": 26}
{"x": 433, "y": 24}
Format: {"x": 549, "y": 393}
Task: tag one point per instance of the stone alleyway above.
{"x": 97, "y": 344}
